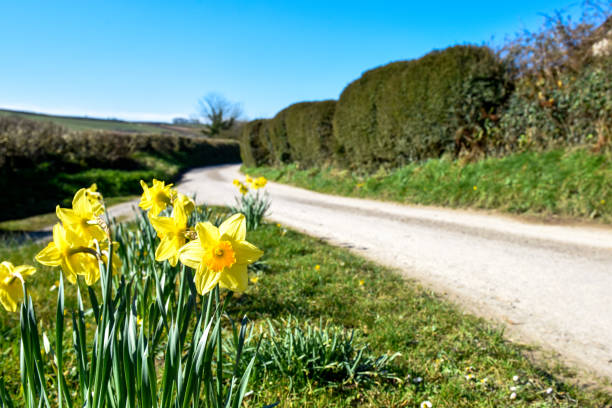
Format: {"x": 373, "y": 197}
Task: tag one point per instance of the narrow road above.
{"x": 550, "y": 285}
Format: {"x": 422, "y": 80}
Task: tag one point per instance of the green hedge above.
{"x": 412, "y": 110}
{"x": 301, "y": 132}
{"x": 41, "y": 163}
{"x": 310, "y": 131}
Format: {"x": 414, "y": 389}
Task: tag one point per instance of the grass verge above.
{"x": 447, "y": 357}
{"x": 567, "y": 183}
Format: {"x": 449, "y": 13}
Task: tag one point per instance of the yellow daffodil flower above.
{"x": 70, "y": 251}
{"x": 81, "y": 218}
{"x": 96, "y": 199}
{"x": 243, "y": 189}
{"x": 186, "y": 201}
{"x": 155, "y": 198}
{"x": 236, "y": 182}
{"x": 249, "y": 179}
{"x": 11, "y": 279}
{"x": 171, "y": 231}
{"x": 220, "y": 255}
{"x": 259, "y": 182}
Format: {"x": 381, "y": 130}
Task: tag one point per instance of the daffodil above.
{"x": 155, "y": 198}
{"x": 171, "y": 231}
{"x": 81, "y": 219}
{"x": 186, "y": 201}
{"x": 220, "y": 255}
{"x": 11, "y": 279}
{"x": 95, "y": 198}
{"x": 259, "y": 182}
{"x": 243, "y": 189}
{"x": 248, "y": 179}
{"x": 70, "y": 251}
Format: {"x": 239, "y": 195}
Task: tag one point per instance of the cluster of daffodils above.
{"x": 254, "y": 183}
{"x": 218, "y": 255}
{"x": 81, "y": 239}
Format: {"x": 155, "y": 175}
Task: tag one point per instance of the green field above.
{"x": 557, "y": 183}
{"x": 82, "y": 123}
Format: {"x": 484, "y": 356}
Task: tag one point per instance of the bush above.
{"x": 412, "y": 110}
{"x": 254, "y": 150}
{"x": 301, "y": 132}
{"x": 310, "y": 131}
{"x": 41, "y": 163}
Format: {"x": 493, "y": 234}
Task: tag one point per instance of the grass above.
{"x": 38, "y": 222}
{"x": 566, "y": 183}
{"x": 114, "y": 125}
{"x": 446, "y": 355}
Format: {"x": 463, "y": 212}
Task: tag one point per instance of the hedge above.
{"x": 412, "y": 110}
{"x": 39, "y": 161}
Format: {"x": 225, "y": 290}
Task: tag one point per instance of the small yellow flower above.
{"x": 560, "y": 84}
{"x": 236, "y": 182}
{"x": 359, "y": 185}
{"x": 81, "y": 219}
{"x": 138, "y": 321}
{"x": 278, "y": 225}
{"x": 171, "y": 231}
{"x": 249, "y": 179}
{"x": 11, "y": 279}
{"x": 475, "y": 188}
{"x": 186, "y": 201}
{"x": 243, "y": 189}
{"x": 602, "y": 202}
{"x": 155, "y": 198}
{"x": 259, "y": 182}
{"x": 70, "y": 251}
{"x": 317, "y": 267}
{"x": 95, "y": 198}
{"x": 361, "y": 282}
{"x": 220, "y": 255}
{"x": 254, "y": 279}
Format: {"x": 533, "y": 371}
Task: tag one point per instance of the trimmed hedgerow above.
{"x": 412, "y": 110}
{"x": 41, "y": 163}
{"x": 310, "y": 131}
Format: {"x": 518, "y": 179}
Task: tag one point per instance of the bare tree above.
{"x": 219, "y": 113}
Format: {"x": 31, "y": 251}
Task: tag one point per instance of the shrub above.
{"x": 38, "y": 159}
{"x": 411, "y": 110}
{"x": 310, "y": 131}
{"x": 254, "y": 150}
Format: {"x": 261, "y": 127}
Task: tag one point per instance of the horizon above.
{"x": 152, "y": 64}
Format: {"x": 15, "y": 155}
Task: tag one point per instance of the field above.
{"x": 111, "y": 125}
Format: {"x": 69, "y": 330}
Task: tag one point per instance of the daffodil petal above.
{"x": 178, "y": 213}
{"x": 191, "y": 254}
{"x": 234, "y": 227}
{"x": 235, "y": 278}
{"x": 25, "y": 270}
{"x": 80, "y": 203}
{"x": 69, "y": 270}
{"x": 208, "y": 234}
{"x": 246, "y": 253}
{"x": 205, "y": 279}
{"x": 167, "y": 248}
{"x": 49, "y": 256}
{"x": 10, "y": 295}
{"x": 162, "y": 225}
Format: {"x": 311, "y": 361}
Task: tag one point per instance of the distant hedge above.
{"x": 39, "y": 161}
{"x": 301, "y": 132}
{"x": 310, "y": 131}
{"x": 411, "y": 110}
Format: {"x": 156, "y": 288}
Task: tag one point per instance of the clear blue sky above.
{"x": 153, "y": 60}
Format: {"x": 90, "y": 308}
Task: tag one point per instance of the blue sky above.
{"x": 153, "y": 60}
